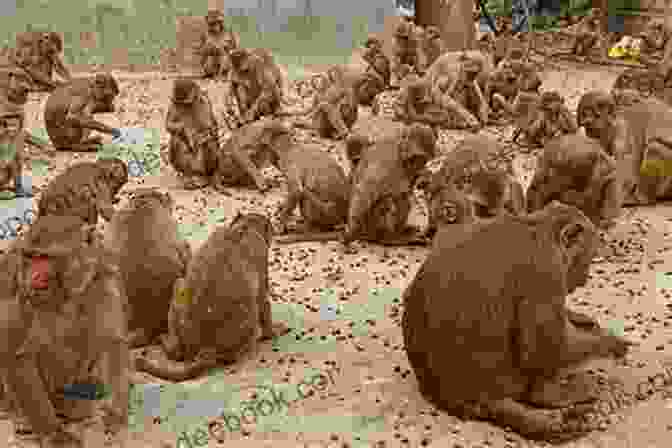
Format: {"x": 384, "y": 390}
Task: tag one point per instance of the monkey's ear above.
{"x": 570, "y": 235}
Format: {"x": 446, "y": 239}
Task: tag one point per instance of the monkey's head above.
{"x": 51, "y": 43}
{"x": 116, "y": 172}
{"x": 151, "y": 198}
{"x": 373, "y": 43}
{"x": 417, "y": 146}
{"x": 449, "y": 206}
{"x": 185, "y": 92}
{"x": 60, "y": 256}
{"x": 487, "y": 192}
{"x": 432, "y": 33}
{"x": 215, "y": 21}
{"x": 256, "y": 222}
{"x": 104, "y": 91}
{"x": 242, "y": 61}
{"x": 404, "y": 30}
{"x": 573, "y": 235}
{"x": 595, "y": 112}
{"x": 16, "y": 83}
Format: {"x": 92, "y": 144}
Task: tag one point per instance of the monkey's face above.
{"x": 104, "y": 93}
{"x": 595, "y": 119}
{"x": 117, "y": 173}
{"x": 215, "y": 28}
{"x": 18, "y": 86}
{"x": 450, "y": 206}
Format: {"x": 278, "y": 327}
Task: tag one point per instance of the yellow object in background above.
{"x": 628, "y": 49}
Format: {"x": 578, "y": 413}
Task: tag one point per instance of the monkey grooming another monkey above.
{"x": 510, "y": 336}
{"x": 68, "y": 114}
{"x": 63, "y": 315}
{"x": 13, "y": 97}
{"x": 86, "y": 189}
{"x": 152, "y": 257}
{"x": 222, "y": 308}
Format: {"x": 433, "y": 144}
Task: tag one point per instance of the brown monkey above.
{"x": 194, "y": 138}
{"x": 649, "y": 82}
{"x": 638, "y": 138}
{"x": 85, "y": 189}
{"x": 490, "y": 190}
{"x": 14, "y": 96}
{"x": 551, "y": 119}
{"x": 376, "y": 77}
{"x": 222, "y": 308}
{"x": 68, "y": 114}
{"x": 316, "y": 183}
{"x": 242, "y": 156}
{"x": 654, "y": 37}
{"x": 404, "y": 49}
{"x": 501, "y": 91}
{"x": 63, "y": 308}
{"x": 335, "y": 109}
{"x": 38, "y": 53}
{"x": 448, "y": 206}
{"x": 588, "y": 36}
{"x": 419, "y": 103}
{"x": 507, "y": 339}
{"x": 152, "y": 256}
{"x": 215, "y": 46}
{"x": 255, "y": 84}
{"x": 432, "y": 45}
{"x": 575, "y": 170}
{"x": 468, "y": 87}
{"x": 383, "y": 183}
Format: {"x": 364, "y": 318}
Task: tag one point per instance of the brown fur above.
{"x": 69, "y": 111}
{"x": 152, "y": 255}
{"x": 256, "y": 83}
{"x": 505, "y": 337}
{"x": 638, "y": 138}
{"x": 550, "y": 118}
{"x": 85, "y": 189}
{"x": 575, "y": 170}
{"x": 383, "y": 183}
{"x": 222, "y": 308}
{"x": 38, "y": 53}
{"x": 15, "y": 86}
{"x": 58, "y": 335}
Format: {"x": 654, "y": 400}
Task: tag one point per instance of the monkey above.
{"x": 432, "y": 46}
{"x": 335, "y": 109}
{"x": 448, "y": 206}
{"x": 654, "y": 37}
{"x": 404, "y": 50}
{"x": 509, "y": 49}
{"x": 15, "y": 87}
{"x": 576, "y": 170}
{"x": 194, "y": 138}
{"x": 637, "y": 138}
{"x": 242, "y": 156}
{"x": 419, "y": 103}
{"x": 489, "y": 190}
{"x": 501, "y": 90}
{"x": 376, "y": 77}
{"x": 38, "y": 53}
{"x": 467, "y": 88}
{"x": 587, "y": 37}
{"x": 255, "y": 84}
{"x": 152, "y": 256}
{"x": 85, "y": 189}
{"x": 316, "y": 183}
{"x": 215, "y": 45}
{"x": 527, "y": 339}
{"x": 382, "y": 185}
{"x": 63, "y": 307}
{"x": 649, "y": 82}
{"x": 551, "y": 118}
{"x": 68, "y": 113}
{"x": 222, "y": 308}
{"x": 355, "y": 145}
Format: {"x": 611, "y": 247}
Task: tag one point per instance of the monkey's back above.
{"x": 226, "y": 278}
{"x": 147, "y": 243}
{"x": 58, "y": 103}
{"x": 321, "y": 173}
{"x": 460, "y": 322}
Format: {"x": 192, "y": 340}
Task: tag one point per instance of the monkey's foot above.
{"x": 194, "y": 183}
{"x": 563, "y": 392}
{"x": 276, "y": 330}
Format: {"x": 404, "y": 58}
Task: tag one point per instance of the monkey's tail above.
{"x": 177, "y": 373}
{"x": 308, "y": 237}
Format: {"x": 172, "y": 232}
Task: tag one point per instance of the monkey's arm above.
{"x": 268, "y": 92}
{"x": 240, "y": 156}
{"x": 77, "y": 116}
{"x": 104, "y": 203}
{"x": 483, "y": 109}
{"x": 37, "y": 75}
{"x": 294, "y": 194}
{"x": 61, "y": 69}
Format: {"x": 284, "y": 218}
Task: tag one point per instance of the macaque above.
{"x": 63, "y": 322}
{"x": 38, "y": 53}
{"x": 376, "y": 77}
{"x": 222, "y": 308}
{"x": 194, "y": 138}
{"x": 68, "y": 114}
{"x": 255, "y": 84}
{"x": 588, "y": 36}
{"x": 13, "y": 97}
{"x": 552, "y": 119}
{"x": 404, "y": 50}
{"x": 508, "y": 329}
{"x": 215, "y": 46}
{"x": 468, "y": 88}
{"x": 85, "y": 189}
{"x": 432, "y": 45}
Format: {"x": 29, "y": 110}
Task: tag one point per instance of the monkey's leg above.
{"x": 319, "y": 213}
{"x": 557, "y": 392}
{"x": 179, "y": 373}
{"x": 308, "y": 237}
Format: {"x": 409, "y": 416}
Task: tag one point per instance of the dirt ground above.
{"x": 371, "y": 390}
